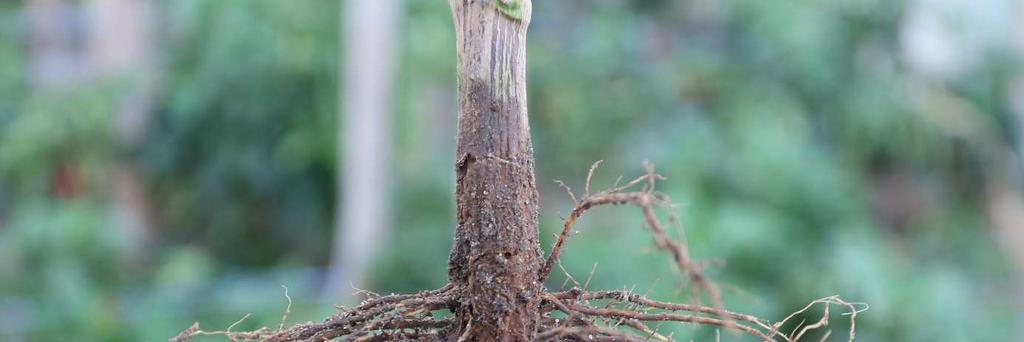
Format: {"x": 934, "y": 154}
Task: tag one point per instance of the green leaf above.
{"x": 511, "y": 8}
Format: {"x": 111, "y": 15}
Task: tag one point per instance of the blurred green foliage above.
{"x": 245, "y": 149}
{"x": 777, "y": 125}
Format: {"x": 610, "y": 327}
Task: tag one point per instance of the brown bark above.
{"x": 496, "y": 256}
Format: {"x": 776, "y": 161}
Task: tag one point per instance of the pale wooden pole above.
{"x": 362, "y": 215}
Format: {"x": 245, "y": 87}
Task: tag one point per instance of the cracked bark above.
{"x": 496, "y": 255}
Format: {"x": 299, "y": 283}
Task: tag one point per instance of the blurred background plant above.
{"x": 163, "y": 162}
